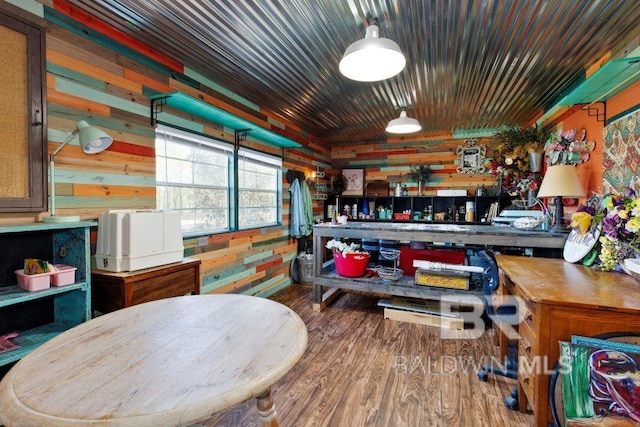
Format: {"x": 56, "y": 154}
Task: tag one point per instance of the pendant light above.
{"x": 403, "y": 124}
{"x": 373, "y": 58}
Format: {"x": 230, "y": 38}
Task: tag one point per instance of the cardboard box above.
{"x": 135, "y": 240}
{"x": 442, "y": 279}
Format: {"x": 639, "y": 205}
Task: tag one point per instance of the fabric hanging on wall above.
{"x": 298, "y": 219}
{"x": 621, "y": 154}
{"x": 308, "y": 208}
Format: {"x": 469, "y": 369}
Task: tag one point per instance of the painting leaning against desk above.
{"x": 600, "y": 382}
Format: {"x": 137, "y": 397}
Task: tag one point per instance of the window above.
{"x": 259, "y": 187}
{"x": 192, "y": 176}
{"x": 195, "y": 175}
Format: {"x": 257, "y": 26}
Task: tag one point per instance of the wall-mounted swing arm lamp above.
{"x": 92, "y": 140}
{"x": 373, "y": 58}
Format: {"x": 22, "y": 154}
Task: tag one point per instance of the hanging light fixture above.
{"x": 403, "y": 124}
{"x": 373, "y": 58}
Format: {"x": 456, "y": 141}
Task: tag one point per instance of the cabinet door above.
{"x": 23, "y": 152}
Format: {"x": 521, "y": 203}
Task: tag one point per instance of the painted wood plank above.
{"x": 111, "y": 123}
{"x": 147, "y": 81}
{"x": 189, "y": 72}
{"x": 73, "y": 155}
{"x": 72, "y": 88}
{"x": 106, "y": 203}
{"x": 80, "y": 47}
{"x": 239, "y": 283}
{"x": 84, "y": 104}
{"x": 112, "y": 191}
{"x": 209, "y": 284}
{"x": 99, "y": 177}
{"x": 257, "y": 257}
{"x": 92, "y": 71}
{"x": 57, "y": 70}
{"x": 105, "y": 29}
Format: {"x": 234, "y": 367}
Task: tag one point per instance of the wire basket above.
{"x": 389, "y": 274}
{"x": 390, "y": 254}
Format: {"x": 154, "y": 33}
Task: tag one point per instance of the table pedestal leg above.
{"x": 267, "y": 409}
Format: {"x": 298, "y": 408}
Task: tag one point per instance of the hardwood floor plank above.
{"x": 362, "y": 370}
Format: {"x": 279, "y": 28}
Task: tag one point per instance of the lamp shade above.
{"x": 92, "y": 139}
{"x": 561, "y": 181}
{"x": 373, "y": 58}
{"x": 403, "y": 124}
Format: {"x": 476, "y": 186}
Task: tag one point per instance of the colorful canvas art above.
{"x": 600, "y": 383}
{"x": 621, "y": 153}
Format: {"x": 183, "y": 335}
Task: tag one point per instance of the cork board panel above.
{"x": 14, "y": 127}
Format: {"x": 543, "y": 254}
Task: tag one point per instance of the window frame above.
{"x": 262, "y": 159}
{"x": 237, "y": 155}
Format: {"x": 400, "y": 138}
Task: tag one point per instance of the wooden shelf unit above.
{"x": 446, "y": 204}
{"x": 41, "y": 315}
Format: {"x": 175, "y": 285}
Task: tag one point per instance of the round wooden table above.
{"x": 169, "y": 362}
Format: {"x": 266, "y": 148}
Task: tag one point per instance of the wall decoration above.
{"x": 472, "y": 157}
{"x": 621, "y": 154}
{"x": 599, "y": 380}
{"x": 355, "y": 182}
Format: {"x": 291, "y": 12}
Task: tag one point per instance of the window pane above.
{"x": 192, "y": 177}
{"x": 258, "y": 195}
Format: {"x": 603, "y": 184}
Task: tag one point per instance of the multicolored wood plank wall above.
{"x": 392, "y": 160}
{"x": 98, "y": 75}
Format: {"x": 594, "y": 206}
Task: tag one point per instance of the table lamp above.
{"x": 560, "y": 181}
{"x": 92, "y": 141}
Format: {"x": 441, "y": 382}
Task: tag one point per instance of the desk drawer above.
{"x": 528, "y": 314}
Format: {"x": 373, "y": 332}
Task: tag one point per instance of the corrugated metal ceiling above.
{"x": 470, "y": 64}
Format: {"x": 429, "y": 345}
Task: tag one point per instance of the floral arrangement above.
{"x": 618, "y": 216}
{"x": 510, "y": 164}
{"x": 343, "y": 248}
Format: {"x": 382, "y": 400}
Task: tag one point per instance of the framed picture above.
{"x": 472, "y": 157}
{"x": 355, "y": 182}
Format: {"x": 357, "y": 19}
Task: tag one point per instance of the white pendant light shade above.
{"x": 373, "y": 58}
{"x": 403, "y": 124}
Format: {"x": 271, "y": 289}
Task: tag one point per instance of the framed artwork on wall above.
{"x": 355, "y": 182}
{"x": 472, "y": 157}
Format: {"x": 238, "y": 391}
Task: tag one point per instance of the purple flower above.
{"x": 629, "y": 193}
{"x": 588, "y": 209}
{"x": 614, "y": 227}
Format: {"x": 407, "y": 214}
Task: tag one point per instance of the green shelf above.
{"x": 198, "y": 108}
{"x": 613, "y": 77}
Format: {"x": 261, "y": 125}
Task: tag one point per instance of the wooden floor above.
{"x": 362, "y": 370}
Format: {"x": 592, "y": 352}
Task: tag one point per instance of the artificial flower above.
{"x": 618, "y": 216}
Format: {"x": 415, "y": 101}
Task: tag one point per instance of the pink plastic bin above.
{"x": 66, "y": 275}
{"x": 33, "y": 282}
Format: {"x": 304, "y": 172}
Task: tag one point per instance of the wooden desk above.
{"x": 561, "y": 299}
{"x": 113, "y": 291}
{"x": 169, "y": 362}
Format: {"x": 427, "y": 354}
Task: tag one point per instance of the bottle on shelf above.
{"x": 405, "y": 191}
{"x": 398, "y": 191}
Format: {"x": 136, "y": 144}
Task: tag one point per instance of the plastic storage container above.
{"x": 66, "y": 275}
{"x": 351, "y": 265}
{"x": 33, "y": 282}
{"x": 373, "y": 247}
